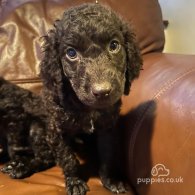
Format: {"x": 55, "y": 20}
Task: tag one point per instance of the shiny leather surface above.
{"x": 157, "y": 118}
{"x": 50, "y": 182}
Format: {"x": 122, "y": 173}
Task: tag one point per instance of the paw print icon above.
{"x": 160, "y": 170}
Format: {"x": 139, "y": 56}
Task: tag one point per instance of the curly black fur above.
{"x": 90, "y": 61}
{"x": 22, "y": 128}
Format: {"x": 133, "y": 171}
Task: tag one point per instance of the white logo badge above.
{"x": 160, "y": 170}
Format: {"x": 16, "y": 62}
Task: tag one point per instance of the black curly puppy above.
{"x": 22, "y": 129}
{"x": 90, "y": 61}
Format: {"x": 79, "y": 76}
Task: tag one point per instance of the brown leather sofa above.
{"x": 157, "y": 118}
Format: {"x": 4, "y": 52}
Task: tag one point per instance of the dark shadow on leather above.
{"x": 136, "y": 129}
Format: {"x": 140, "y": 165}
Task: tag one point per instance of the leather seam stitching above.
{"x": 145, "y": 111}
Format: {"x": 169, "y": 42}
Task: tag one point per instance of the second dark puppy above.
{"x": 22, "y": 129}
{"x": 90, "y": 61}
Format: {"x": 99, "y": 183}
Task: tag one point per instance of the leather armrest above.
{"x": 159, "y": 118}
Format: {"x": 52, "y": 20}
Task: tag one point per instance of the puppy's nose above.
{"x": 101, "y": 90}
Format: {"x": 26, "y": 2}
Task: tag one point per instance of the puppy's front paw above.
{"x": 17, "y": 169}
{"x": 114, "y": 186}
{"x": 76, "y": 186}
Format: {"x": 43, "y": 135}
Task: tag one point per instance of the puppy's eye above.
{"x": 114, "y": 46}
{"x": 71, "y": 54}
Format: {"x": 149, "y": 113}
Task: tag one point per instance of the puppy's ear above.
{"x": 50, "y": 66}
{"x": 133, "y": 57}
